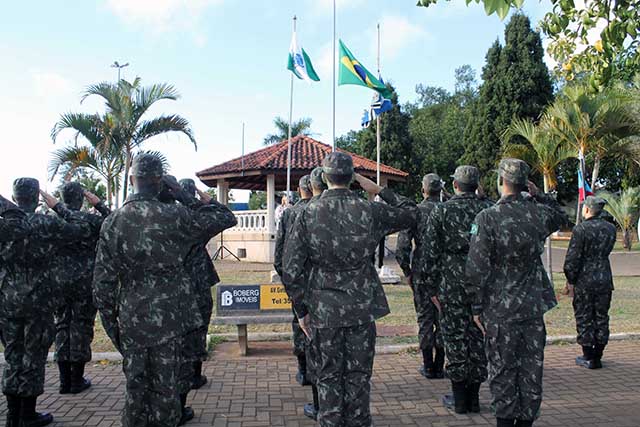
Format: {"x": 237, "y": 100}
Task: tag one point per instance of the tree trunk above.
{"x": 547, "y": 179}
{"x": 595, "y": 174}
{"x": 125, "y": 180}
{"x": 109, "y": 196}
{"x": 626, "y": 239}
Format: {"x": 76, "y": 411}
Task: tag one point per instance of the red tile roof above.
{"x": 306, "y": 154}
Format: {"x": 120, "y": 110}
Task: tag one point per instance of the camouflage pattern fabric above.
{"x": 75, "y": 319}
{"x": 13, "y": 224}
{"x": 441, "y": 273}
{"x": 344, "y": 364}
{"x": 592, "y": 317}
{"x": 429, "y": 332}
{"x": 152, "y": 397}
{"x": 511, "y": 291}
{"x": 286, "y": 223}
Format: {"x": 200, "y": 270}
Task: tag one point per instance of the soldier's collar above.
{"x": 333, "y": 192}
{"x": 464, "y": 196}
{"x": 138, "y": 197}
{"x": 510, "y": 198}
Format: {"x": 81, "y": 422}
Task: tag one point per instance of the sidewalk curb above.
{"x": 383, "y": 349}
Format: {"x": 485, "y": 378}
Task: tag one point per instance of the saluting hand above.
{"x": 305, "y": 325}
{"x": 478, "y": 321}
{"x": 204, "y": 196}
{"x": 368, "y": 185}
{"x": 91, "y": 198}
{"x": 48, "y": 199}
{"x": 533, "y": 189}
{"x": 436, "y": 302}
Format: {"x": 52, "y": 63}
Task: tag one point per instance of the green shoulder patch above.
{"x": 474, "y": 229}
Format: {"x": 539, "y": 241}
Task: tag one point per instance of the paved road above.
{"x": 260, "y": 390}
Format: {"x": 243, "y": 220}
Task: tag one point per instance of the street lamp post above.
{"x": 119, "y": 67}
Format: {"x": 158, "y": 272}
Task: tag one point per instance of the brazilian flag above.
{"x": 351, "y": 72}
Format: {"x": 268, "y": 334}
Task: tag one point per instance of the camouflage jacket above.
{"x": 29, "y": 281}
{"x": 337, "y": 234}
{"x": 586, "y": 264}
{"x": 141, "y": 285}
{"x": 443, "y": 254}
{"x": 406, "y": 238}
{"x": 75, "y": 259}
{"x": 13, "y": 224}
{"x": 287, "y": 221}
{"x": 506, "y": 277}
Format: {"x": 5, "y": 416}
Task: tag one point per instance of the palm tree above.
{"x": 624, "y": 209}
{"x": 299, "y": 127}
{"x": 127, "y": 104}
{"x": 543, "y": 151}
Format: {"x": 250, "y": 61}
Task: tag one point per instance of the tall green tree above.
{"x": 624, "y": 209}
{"x": 516, "y": 84}
{"x": 298, "y": 127}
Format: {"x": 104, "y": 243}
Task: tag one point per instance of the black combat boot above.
{"x": 505, "y": 422}
{"x": 438, "y": 364}
{"x": 311, "y": 409}
{"x": 524, "y": 423}
{"x": 198, "y": 379}
{"x": 427, "y": 368}
{"x": 78, "y": 382}
{"x": 28, "y": 415}
{"x": 65, "y": 377}
{"x": 458, "y": 400}
{"x": 301, "y": 376}
{"x": 586, "y": 358}
{"x": 598, "y": 351}
{"x": 187, "y": 412}
{"x": 13, "y": 411}
{"x": 473, "y": 397}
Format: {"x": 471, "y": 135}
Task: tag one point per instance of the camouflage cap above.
{"x": 305, "y": 183}
{"x": 593, "y": 202}
{"x": 188, "y": 185}
{"x": 26, "y": 187}
{"x": 147, "y": 165}
{"x": 466, "y": 174}
{"x": 432, "y": 181}
{"x": 337, "y": 163}
{"x": 514, "y": 170}
{"x": 316, "y": 178}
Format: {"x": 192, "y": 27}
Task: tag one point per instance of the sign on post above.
{"x": 233, "y": 299}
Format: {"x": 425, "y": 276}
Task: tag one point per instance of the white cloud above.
{"x": 325, "y": 62}
{"x": 49, "y": 84}
{"x": 396, "y": 33}
{"x": 160, "y": 16}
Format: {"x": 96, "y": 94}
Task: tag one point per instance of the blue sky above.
{"x": 226, "y": 57}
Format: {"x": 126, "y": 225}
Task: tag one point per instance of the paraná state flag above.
{"x": 299, "y": 62}
{"x": 351, "y": 72}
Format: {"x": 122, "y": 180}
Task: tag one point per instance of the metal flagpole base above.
{"x": 220, "y": 253}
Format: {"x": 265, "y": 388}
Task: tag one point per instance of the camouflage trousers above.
{"x": 299, "y": 338}
{"x": 463, "y": 343}
{"x": 26, "y": 343}
{"x": 592, "y": 317}
{"x": 429, "y": 332}
{"x": 74, "y": 330}
{"x": 516, "y": 358}
{"x": 343, "y": 359}
{"x": 152, "y": 395}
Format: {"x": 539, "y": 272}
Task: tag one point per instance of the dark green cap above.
{"x": 337, "y": 163}
{"x": 466, "y": 174}
{"x": 26, "y": 187}
{"x": 316, "y": 178}
{"x": 515, "y": 171}
{"x": 594, "y": 202}
{"x": 432, "y": 182}
{"x": 188, "y": 185}
{"x": 147, "y": 165}
{"x": 305, "y": 184}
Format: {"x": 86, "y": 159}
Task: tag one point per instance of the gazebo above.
{"x": 266, "y": 170}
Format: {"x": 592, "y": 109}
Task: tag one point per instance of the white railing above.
{"x": 251, "y": 221}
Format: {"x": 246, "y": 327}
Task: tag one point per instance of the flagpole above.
{"x": 290, "y": 121}
{"x": 333, "y": 131}
{"x": 378, "y": 136}
{"x": 242, "y": 149}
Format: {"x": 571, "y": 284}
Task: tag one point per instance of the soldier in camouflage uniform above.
{"x": 511, "y": 291}
{"x": 288, "y": 218}
{"x": 427, "y": 313}
{"x": 75, "y": 319}
{"x": 13, "y": 223}
{"x": 590, "y": 281}
{"x": 144, "y": 292}
{"x": 340, "y": 297}
{"x": 442, "y": 258}
{"x": 29, "y": 296}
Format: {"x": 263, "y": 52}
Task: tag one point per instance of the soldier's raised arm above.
{"x": 72, "y": 227}
{"x": 554, "y": 217}
{"x": 13, "y": 224}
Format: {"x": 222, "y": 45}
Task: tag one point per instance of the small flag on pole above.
{"x": 379, "y": 105}
{"x": 584, "y": 190}
{"x": 351, "y": 72}
{"x": 299, "y": 62}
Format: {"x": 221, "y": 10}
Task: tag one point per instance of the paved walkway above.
{"x": 260, "y": 390}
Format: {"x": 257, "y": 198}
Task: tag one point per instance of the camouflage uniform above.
{"x": 31, "y": 293}
{"x": 145, "y": 294}
{"x": 286, "y": 223}
{"x": 511, "y": 291}
{"x": 338, "y": 235}
{"x": 75, "y": 319}
{"x": 429, "y": 331}
{"x": 587, "y": 267}
{"x": 442, "y": 264}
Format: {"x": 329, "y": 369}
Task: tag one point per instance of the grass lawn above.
{"x": 625, "y": 310}
{"x": 635, "y": 247}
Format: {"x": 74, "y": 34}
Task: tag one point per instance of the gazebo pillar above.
{"x": 271, "y": 203}
{"x": 222, "y": 192}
